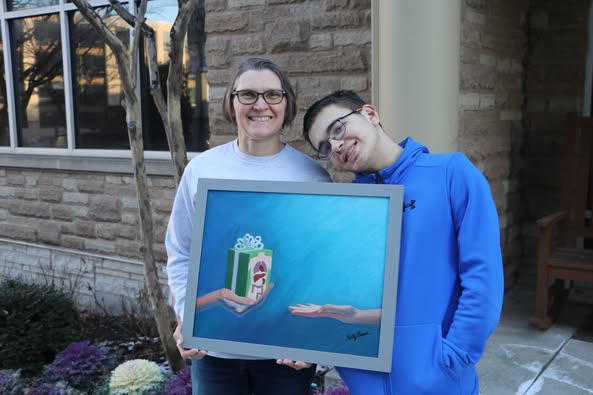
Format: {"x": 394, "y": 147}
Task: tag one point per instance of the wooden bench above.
{"x": 562, "y": 235}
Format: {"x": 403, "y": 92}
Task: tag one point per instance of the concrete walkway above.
{"x": 523, "y": 360}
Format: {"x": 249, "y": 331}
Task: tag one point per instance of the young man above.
{"x": 450, "y": 275}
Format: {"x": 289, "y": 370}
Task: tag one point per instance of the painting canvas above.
{"x": 278, "y": 270}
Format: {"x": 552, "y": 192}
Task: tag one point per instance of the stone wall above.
{"x": 92, "y": 212}
{"x": 508, "y": 108}
{"x": 97, "y": 282}
{"x": 80, "y": 231}
{"x": 323, "y": 46}
{"x": 491, "y": 98}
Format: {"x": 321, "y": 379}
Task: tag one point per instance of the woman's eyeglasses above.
{"x": 247, "y": 96}
{"x": 336, "y": 131}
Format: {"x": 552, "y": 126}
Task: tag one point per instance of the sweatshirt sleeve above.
{"x": 178, "y": 241}
{"x": 480, "y": 265}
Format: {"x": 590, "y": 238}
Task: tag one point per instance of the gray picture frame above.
{"x": 326, "y": 239}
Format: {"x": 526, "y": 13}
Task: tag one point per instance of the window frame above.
{"x": 69, "y": 158}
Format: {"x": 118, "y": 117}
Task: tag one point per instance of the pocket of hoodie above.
{"x": 418, "y": 361}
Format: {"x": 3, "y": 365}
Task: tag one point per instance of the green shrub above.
{"x": 36, "y": 322}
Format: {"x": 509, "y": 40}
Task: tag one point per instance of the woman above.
{"x": 259, "y": 102}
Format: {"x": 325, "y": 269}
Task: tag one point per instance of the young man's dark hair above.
{"x": 344, "y": 98}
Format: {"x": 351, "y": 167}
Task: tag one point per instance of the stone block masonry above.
{"x": 491, "y": 96}
{"x": 93, "y": 212}
{"x": 95, "y": 282}
{"x": 322, "y": 45}
{"x": 94, "y": 215}
{"x": 521, "y": 64}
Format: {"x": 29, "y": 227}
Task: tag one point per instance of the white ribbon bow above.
{"x": 249, "y": 242}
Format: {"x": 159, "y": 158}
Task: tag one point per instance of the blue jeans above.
{"x": 219, "y": 376}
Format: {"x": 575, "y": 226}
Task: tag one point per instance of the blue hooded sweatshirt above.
{"x": 450, "y": 285}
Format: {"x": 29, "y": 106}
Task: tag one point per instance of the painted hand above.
{"x": 239, "y": 304}
{"x": 344, "y": 313}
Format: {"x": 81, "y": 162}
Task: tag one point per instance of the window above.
{"x": 38, "y": 81}
{"x": 14, "y": 5}
{"x": 100, "y": 119}
{"x": 194, "y": 106}
{"x": 4, "y": 136}
{"x": 77, "y": 105}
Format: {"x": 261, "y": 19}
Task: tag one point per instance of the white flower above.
{"x": 136, "y": 377}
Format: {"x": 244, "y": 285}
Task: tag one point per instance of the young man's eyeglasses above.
{"x": 247, "y": 96}
{"x": 336, "y": 130}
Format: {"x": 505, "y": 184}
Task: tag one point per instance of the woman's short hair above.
{"x": 228, "y": 109}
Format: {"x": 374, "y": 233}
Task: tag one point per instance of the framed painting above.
{"x": 306, "y": 271}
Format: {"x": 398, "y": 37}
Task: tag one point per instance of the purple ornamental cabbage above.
{"x": 81, "y": 365}
{"x": 10, "y": 382}
{"x": 46, "y": 389}
{"x": 180, "y": 384}
{"x": 5, "y": 379}
{"x": 337, "y": 389}
{"x": 53, "y": 389}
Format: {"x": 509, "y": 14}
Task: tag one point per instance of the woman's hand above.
{"x": 296, "y": 365}
{"x": 192, "y": 353}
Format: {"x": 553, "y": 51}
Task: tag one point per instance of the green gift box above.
{"x": 249, "y": 267}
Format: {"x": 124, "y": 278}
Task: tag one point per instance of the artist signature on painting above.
{"x": 356, "y": 335}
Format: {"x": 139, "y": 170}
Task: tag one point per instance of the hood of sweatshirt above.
{"x": 395, "y": 173}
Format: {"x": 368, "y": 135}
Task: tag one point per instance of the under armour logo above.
{"x": 411, "y": 205}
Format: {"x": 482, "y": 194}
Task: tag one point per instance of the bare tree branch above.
{"x": 122, "y": 12}
{"x": 128, "y": 72}
{"x": 138, "y": 22}
{"x": 117, "y": 47}
{"x": 173, "y": 129}
{"x": 174, "y": 82}
{"x": 159, "y": 98}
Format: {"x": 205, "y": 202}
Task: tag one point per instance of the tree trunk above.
{"x": 155, "y": 293}
{"x": 128, "y": 75}
{"x": 174, "y": 83}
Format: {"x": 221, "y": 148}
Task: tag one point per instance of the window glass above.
{"x": 14, "y": 5}
{"x": 98, "y": 93}
{"x": 4, "y": 133}
{"x": 38, "y": 81}
{"x": 99, "y": 120}
{"x": 160, "y": 15}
